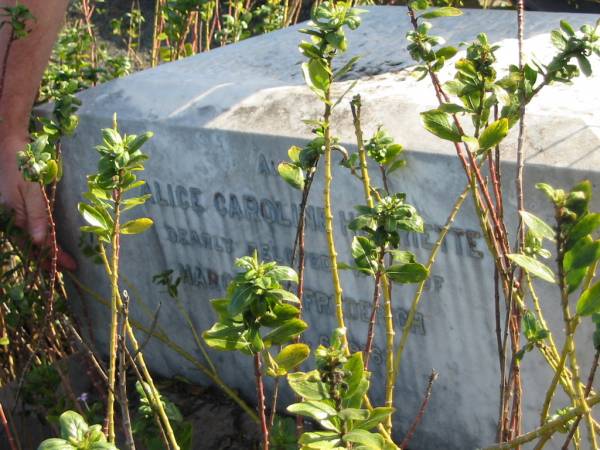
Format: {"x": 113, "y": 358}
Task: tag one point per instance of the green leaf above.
{"x": 584, "y": 65}
{"x": 135, "y": 201}
{"x": 355, "y": 368}
{"x": 136, "y": 226}
{"x": 111, "y": 136}
{"x": 286, "y": 332}
{"x": 494, "y": 134}
{"x": 320, "y": 440}
{"x": 548, "y": 190}
{"x": 369, "y": 440}
{"x": 584, "y": 253}
{"x": 584, "y": 226}
{"x": 138, "y": 141}
{"x": 353, "y": 414}
{"x": 226, "y": 337}
{"x": 101, "y": 446}
{"x": 294, "y": 153}
{"x": 51, "y": 171}
{"x": 55, "y": 444}
{"x": 316, "y": 76}
{"x": 72, "y": 426}
{"x": 558, "y": 39}
{"x": 284, "y": 273}
{"x": 537, "y": 226}
{"x": 346, "y": 68}
{"x": 438, "y": 123}
{"x": 363, "y": 253}
{"x": 376, "y": 416}
{"x": 589, "y": 302}
{"x": 308, "y": 385}
{"x": 241, "y": 298}
{"x": 402, "y": 256}
{"x": 92, "y": 216}
{"x": 407, "y": 273}
{"x": 284, "y": 295}
{"x": 447, "y": 53}
{"x": 292, "y": 356}
{"x": 452, "y": 108}
{"x": 574, "y": 278}
{"x": 533, "y": 266}
{"x": 567, "y": 28}
{"x": 314, "y": 409}
{"x": 337, "y": 39}
{"x": 445, "y": 11}
{"x": 291, "y": 174}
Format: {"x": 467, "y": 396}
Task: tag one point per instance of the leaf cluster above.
{"x": 257, "y": 311}
{"x": 120, "y": 158}
{"x": 327, "y": 40}
{"x": 17, "y": 17}
{"x": 333, "y": 396}
{"x": 76, "y": 434}
{"x": 382, "y": 149}
{"x": 144, "y": 425}
{"x": 39, "y": 162}
{"x": 380, "y": 227}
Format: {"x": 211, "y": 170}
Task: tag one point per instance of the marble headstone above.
{"x": 222, "y": 122}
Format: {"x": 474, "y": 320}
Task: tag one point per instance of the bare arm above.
{"x": 25, "y": 66}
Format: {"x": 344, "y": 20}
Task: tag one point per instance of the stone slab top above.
{"x": 256, "y": 86}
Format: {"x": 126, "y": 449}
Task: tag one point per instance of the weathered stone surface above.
{"x": 222, "y": 122}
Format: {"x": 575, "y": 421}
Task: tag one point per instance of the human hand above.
{"x": 25, "y": 199}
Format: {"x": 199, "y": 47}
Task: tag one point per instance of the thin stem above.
{"x": 588, "y": 388}
{"x": 389, "y": 348}
{"x": 126, "y": 419}
{"x": 260, "y": 390}
{"x": 521, "y": 137}
{"x": 417, "y": 298}
{"x": 171, "y": 345}
{"x": 548, "y": 428}
{"x": 11, "y": 440}
{"x": 274, "y": 404}
{"x": 117, "y": 303}
{"x": 112, "y": 361}
{"x": 335, "y": 275}
{"x": 421, "y": 413}
{"x": 374, "y": 308}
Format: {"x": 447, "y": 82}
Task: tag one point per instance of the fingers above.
{"x": 66, "y": 261}
{"x": 37, "y": 216}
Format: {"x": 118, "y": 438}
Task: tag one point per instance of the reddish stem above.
{"x": 421, "y": 413}
{"x": 11, "y": 440}
{"x": 374, "y": 308}
{"x": 260, "y": 390}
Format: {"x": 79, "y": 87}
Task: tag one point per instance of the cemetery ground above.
{"x": 373, "y": 231}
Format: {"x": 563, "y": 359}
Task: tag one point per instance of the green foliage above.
{"x": 283, "y": 434}
{"x": 144, "y": 425}
{"x": 534, "y": 332}
{"x": 17, "y": 18}
{"x": 79, "y": 62}
{"x": 328, "y": 39}
{"x": 382, "y": 149}
{"x": 257, "y": 311}
{"x": 120, "y": 158}
{"x": 76, "y": 434}
{"x": 333, "y": 398}
{"x": 381, "y": 227}
{"x": 39, "y": 162}
{"x": 533, "y": 267}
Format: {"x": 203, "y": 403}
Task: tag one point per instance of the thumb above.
{"x": 37, "y": 217}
